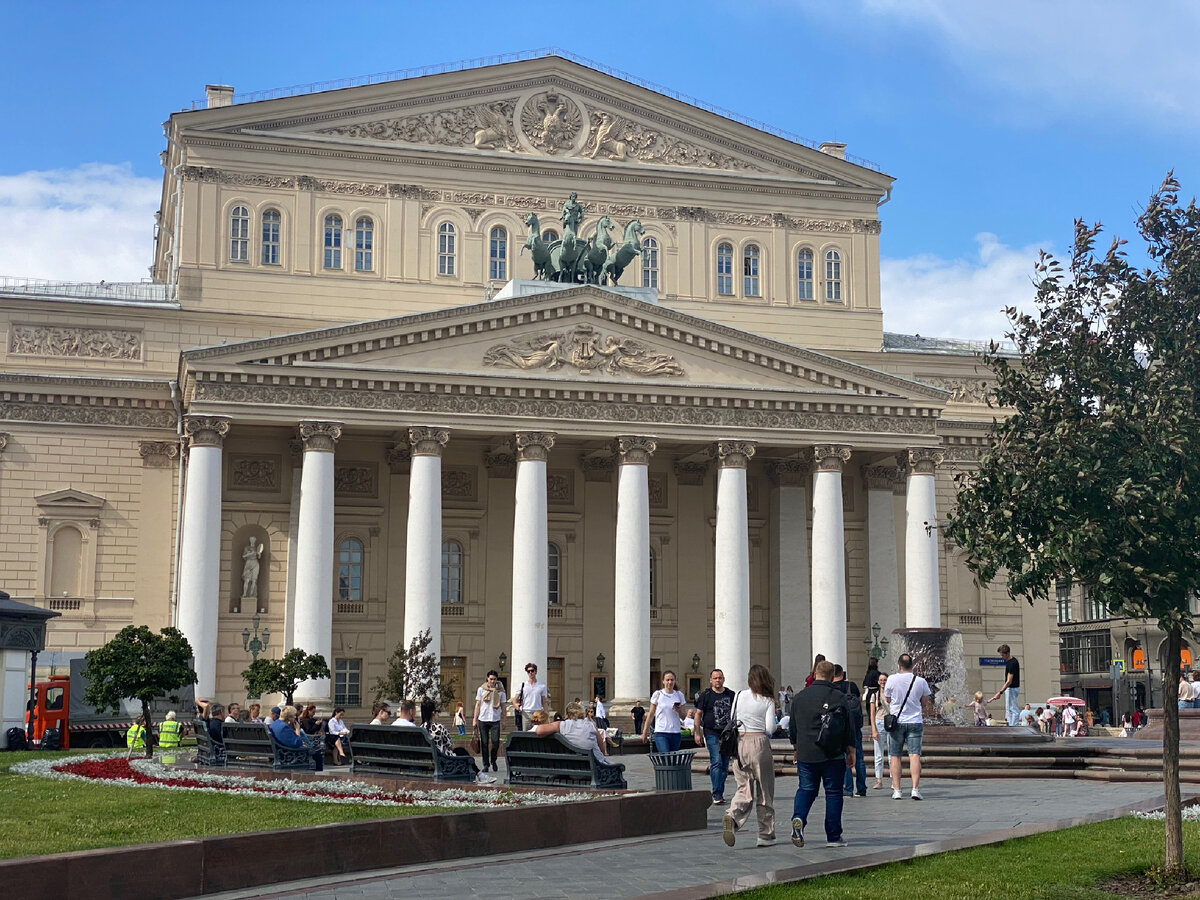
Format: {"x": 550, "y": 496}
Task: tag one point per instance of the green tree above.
{"x": 415, "y": 674}
{"x": 1093, "y": 474}
{"x": 283, "y": 676}
{"x": 139, "y": 665}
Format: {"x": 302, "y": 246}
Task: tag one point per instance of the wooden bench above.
{"x": 408, "y": 752}
{"x": 550, "y": 760}
{"x": 247, "y": 743}
{"x": 208, "y": 753}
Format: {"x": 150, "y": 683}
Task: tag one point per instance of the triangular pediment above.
{"x": 546, "y": 109}
{"x": 575, "y": 337}
{"x": 69, "y": 499}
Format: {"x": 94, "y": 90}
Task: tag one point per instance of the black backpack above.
{"x": 834, "y": 729}
{"x": 16, "y": 739}
{"x": 51, "y": 739}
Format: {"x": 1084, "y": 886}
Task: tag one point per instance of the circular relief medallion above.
{"x": 551, "y": 122}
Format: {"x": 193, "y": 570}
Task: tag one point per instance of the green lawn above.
{"x": 39, "y": 815}
{"x": 1059, "y": 865}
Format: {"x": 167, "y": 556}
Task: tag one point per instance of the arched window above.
{"x": 350, "y": 571}
{"x": 750, "y": 270}
{"x": 725, "y": 269}
{"x": 446, "y": 248}
{"x": 452, "y": 572}
{"x": 498, "y": 254}
{"x": 333, "y": 242}
{"x": 804, "y": 275}
{"x": 239, "y": 234}
{"x": 272, "y": 221}
{"x": 554, "y": 574}
{"x": 364, "y": 244}
{"x": 833, "y": 276}
{"x": 653, "y": 582}
{"x": 66, "y": 555}
{"x": 650, "y": 263}
{"x": 549, "y": 236}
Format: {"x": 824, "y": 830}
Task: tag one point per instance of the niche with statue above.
{"x": 249, "y": 589}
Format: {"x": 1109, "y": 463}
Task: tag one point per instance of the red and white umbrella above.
{"x": 1066, "y": 701}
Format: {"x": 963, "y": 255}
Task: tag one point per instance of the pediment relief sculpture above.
{"x": 551, "y": 122}
{"x": 581, "y": 348}
{"x": 484, "y": 126}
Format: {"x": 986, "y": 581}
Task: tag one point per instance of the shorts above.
{"x": 909, "y": 733}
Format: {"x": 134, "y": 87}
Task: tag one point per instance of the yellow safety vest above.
{"x": 135, "y": 737}
{"x": 169, "y": 734}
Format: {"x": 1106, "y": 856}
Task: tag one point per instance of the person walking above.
{"x": 489, "y": 713}
{"x": 710, "y": 718}
{"x": 854, "y": 705}
{"x": 908, "y": 696}
{"x": 754, "y": 769}
{"x": 639, "y": 716}
{"x": 665, "y": 705}
{"x": 531, "y": 696}
{"x": 1012, "y": 685}
{"x": 818, "y": 767}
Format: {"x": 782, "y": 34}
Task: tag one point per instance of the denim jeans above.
{"x": 812, "y": 776}
{"x": 1012, "y": 705}
{"x": 489, "y": 744}
{"x": 666, "y": 742}
{"x": 718, "y": 765}
{"x": 859, "y": 772}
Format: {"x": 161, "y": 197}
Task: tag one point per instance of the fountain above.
{"x": 938, "y": 658}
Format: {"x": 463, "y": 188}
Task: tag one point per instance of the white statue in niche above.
{"x": 251, "y": 555}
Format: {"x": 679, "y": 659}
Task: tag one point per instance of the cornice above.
{"x": 78, "y": 381}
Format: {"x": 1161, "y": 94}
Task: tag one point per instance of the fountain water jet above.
{"x": 938, "y": 658}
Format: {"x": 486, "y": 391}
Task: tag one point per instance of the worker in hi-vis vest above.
{"x": 135, "y": 737}
{"x": 170, "y": 732}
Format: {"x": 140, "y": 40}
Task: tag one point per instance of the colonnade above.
{"x": 824, "y": 620}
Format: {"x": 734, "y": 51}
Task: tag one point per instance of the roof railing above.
{"x": 480, "y": 62}
{"x": 115, "y": 291}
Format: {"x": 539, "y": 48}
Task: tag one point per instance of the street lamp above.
{"x": 599, "y": 662}
{"x": 253, "y": 644}
{"x": 503, "y": 661}
{"x": 879, "y": 651}
{"x": 695, "y": 662}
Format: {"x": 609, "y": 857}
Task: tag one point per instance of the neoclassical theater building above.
{"x": 345, "y": 409}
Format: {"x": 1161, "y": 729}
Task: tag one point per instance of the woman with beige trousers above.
{"x": 754, "y": 770}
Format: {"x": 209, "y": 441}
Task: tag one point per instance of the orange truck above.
{"x": 58, "y": 703}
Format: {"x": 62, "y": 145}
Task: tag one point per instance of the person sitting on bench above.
{"x": 577, "y": 730}
{"x": 287, "y": 732}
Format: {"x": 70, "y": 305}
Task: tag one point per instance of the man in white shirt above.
{"x": 531, "y": 696}
{"x": 908, "y": 696}
{"x": 601, "y": 713}
{"x": 407, "y": 715}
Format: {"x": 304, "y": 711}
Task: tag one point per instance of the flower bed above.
{"x": 147, "y": 773}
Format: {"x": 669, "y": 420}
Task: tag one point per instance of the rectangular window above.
{"x": 1085, "y": 652}
{"x": 333, "y": 246}
{"x": 270, "y": 240}
{"x": 750, "y": 275}
{"x": 498, "y": 255}
{"x": 347, "y": 682}
{"x": 1062, "y": 598}
{"x": 364, "y": 246}
{"x": 1093, "y": 608}
{"x": 725, "y": 270}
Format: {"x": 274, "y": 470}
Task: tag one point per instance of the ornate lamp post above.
{"x": 253, "y": 644}
{"x": 695, "y": 662}
{"x": 599, "y": 662}
{"x": 503, "y": 661}
{"x": 879, "y": 650}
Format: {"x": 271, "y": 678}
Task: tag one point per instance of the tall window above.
{"x": 66, "y": 554}
{"x": 347, "y": 682}
{"x": 498, "y": 254}
{"x": 350, "y": 570}
{"x": 549, "y": 236}
{"x": 1062, "y": 600}
{"x": 239, "y": 234}
{"x": 833, "y": 276}
{"x": 725, "y": 269}
{"x": 1093, "y": 607}
{"x": 333, "y": 242}
{"x": 650, "y": 263}
{"x": 750, "y": 270}
{"x": 804, "y": 275}
{"x": 554, "y": 574}
{"x": 271, "y": 223}
{"x": 364, "y": 244}
{"x": 653, "y": 582}
{"x": 452, "y": 572}
{"x": 446, "y": 249}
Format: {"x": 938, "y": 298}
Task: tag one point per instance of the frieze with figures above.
{"x": 254, "y": 473}
{"x": 962, "y": 390}
{"x": 80, "y": 343}
{"x": 355, "y": 480}
{"x": 581, "y": 349}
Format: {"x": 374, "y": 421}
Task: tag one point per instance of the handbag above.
{"x": 475, "y": 746}
{"x": 728, "y": 742}
{"x": 890, "y": 722}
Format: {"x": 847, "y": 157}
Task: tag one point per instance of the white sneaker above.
{"x": 485, "y": 778}
{"x": 916, "y": 795}
{"x": 897, "y": 795}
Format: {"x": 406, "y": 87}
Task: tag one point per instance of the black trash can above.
{"x": 672, "y": 771}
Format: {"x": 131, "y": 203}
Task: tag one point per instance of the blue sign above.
{"x": 991, "y": 661}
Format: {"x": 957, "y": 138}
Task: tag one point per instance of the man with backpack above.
{"x": 821, "y": 730}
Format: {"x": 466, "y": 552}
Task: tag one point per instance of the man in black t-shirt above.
{"x": 713, "y": 707}
{"x": 1012, "y": 685}
{"x": 854, "y": 704}
{"x": 817, "y": 768}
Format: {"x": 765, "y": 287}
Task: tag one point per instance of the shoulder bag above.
{"x": 728, "y": 743}
{"x": 889, "y": 721}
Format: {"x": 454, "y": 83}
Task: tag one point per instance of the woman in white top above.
{"x": 337, "y": 731}
{"x": 754, "y": 769}
{"x": 665, "y": 705}
{"x": 879, "y": 709}
{"x": 577, "y": 730}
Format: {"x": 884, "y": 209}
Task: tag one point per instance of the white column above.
{"x": 731, "y": 585}
{"x": 530, "y": 577}
{"x": 923, "y": 608}
{"x": 200, "y": 548}
{"x": 791, "y": 602}
{"x": 829, "y": 554}
{"x": 313, "y": 631}
{"x": 882, "y": 569}
{"x": 631, "y": 584}
{"x": 423, "y": 559}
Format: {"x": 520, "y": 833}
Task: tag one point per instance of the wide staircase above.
{"x": 1001, "y": 752}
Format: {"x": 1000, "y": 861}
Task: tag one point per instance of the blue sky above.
{"x": 1001, "y": 122}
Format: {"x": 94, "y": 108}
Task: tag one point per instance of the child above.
{"x": 981, "y": 716}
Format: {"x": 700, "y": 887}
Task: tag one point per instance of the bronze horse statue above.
{"x": 597, "y": 252}
{"x": 620, "y": 257}
{"x": 541, "y": 253}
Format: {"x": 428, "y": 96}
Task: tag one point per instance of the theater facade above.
{"x": 354, "y": 405}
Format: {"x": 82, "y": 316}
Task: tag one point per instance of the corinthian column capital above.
{"x": 320, "y": 437}
{"x": 534, "y": 445}
{"x": 428, "y": 441}
{"x": 734, "y": 454}
{"x": 635, "y": 450}
{"x": 830, "y": 457}
{"x": 789, "y": 472}
{"x": 206, "y": 431}
{"x": 881, "y": 478}
{"x": 924, "y": 460}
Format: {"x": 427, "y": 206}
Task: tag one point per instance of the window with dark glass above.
{"x": 452, "y": 572}
{"x": 272, "y": 222}
{"x": 333, "y": 242}
{"x": 725, "y": 269}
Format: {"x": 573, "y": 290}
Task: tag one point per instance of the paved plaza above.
{"x": 698, "y": 864}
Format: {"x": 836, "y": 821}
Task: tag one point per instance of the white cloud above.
{"x": 958, "y": 298}
{"x": 91, "y": 223}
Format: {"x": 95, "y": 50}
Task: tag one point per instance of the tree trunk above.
{"x": 149, "y": 732}
{"x": 1173, "y": 867}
